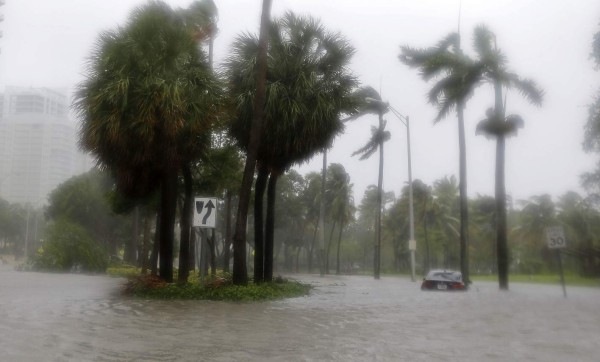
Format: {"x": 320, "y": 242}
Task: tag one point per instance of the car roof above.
{"x": 443, "y": 274}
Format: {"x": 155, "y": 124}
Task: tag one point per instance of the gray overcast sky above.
{"x": 45, "y": 43}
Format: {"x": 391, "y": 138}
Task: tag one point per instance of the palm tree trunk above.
{"x": 193, "y": 247}
{"x": 155, "y": 245}
{"x": 311, "y": 248}
{"x": 270, "y": 225}
{"x": 145, "y": 244}
{"x": 186, "y": 215}
{"x": 131, "y": 246}
{"x": 501, "y": 235}
{"x": 339, "y": 244}
{"x": 321, "y": 225}
{"x": 240, "y": 271}
{"x": 377, "y": 262}
{"x": 213, "y": 253}
{"x": 168, "y": 205}
{"x": 259, "y": 238}
{"x": 329, "y": 248}
{"x": 226, "y": 247}
{"x": 464, "y": 211}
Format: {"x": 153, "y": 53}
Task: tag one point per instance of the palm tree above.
{"x": 202, "y": 17}
{"x": 240, "y": 272}
{"x": 148, "y": 95}
{"x": 341, "y": 205}
{"x": 493, "y": 66}
{"x": 458, "y": 77}
{"x": 378, "y": 136}
{"x": 308, "y": 88}
{"x": 446, "y": 199}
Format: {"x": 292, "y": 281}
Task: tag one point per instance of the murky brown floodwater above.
{"x": 53, "y": 317}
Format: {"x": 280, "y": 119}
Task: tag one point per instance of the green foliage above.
{"x": 124, "y": 270}
{"x": 308, "y": 88}
{"x": 149, "y": 287}
{"x": 69, "y": 248}
{"x": 85, "y": 200}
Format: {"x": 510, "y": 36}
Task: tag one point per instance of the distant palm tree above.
{"x": 149, "y": 94}
{"x": 341, "y": 205}
{"x": 379, "y": 135}
{"x": 308, "y": 88}
{"x": 446, "y": 203}
{"x": 493, "y": 66}
{"x": 457, "y": 76}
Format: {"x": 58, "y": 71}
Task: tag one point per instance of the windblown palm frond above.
{"x": 308, "y": 88}
{"x": 494, "y": 126}
{"x": 378, "y": 136}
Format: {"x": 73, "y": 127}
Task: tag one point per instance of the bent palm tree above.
{"x": 459, "y": 75}
{"x": 498, "y": 126}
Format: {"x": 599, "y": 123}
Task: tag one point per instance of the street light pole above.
{"x": 412, "y": 243}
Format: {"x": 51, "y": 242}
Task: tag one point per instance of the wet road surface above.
{"x": 56, "y": 317}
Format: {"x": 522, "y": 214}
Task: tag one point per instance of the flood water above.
{"x": 55, "y": 317}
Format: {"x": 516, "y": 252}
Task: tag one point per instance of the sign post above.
{"x": 555, "y": 237}
{"x": 205, "y": 217}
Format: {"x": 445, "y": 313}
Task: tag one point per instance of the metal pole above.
{"x": 562, "y": 274}
{"x": 410, "y": 201}
{"x": 26, "y": 251}
{"x": 321, "y": 225}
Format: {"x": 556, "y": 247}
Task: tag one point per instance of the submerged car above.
{"x": 443, "y": 280}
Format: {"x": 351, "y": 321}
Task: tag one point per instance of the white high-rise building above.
{"x": 38, "y": 144}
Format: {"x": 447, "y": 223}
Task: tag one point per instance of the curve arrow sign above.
{"x": 205, "y": 212}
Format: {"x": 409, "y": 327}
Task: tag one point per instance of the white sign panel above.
{"x": 555, "y": 237}
{"x": 205, "y": 212}
{"x": 412, "y": 245}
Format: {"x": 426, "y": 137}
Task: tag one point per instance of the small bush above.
{"x": 219, "y": 289}
{"x": 69, "y": 248}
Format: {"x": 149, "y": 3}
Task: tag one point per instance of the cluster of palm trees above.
{"x": 151, "y": 103}
{"x": 152, "y": 106}
{"x": 457, "y": 75}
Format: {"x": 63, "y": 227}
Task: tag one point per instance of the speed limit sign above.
{"x": 555, "y": 237}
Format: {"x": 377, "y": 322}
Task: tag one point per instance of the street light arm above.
{"x": 401, "y": 117}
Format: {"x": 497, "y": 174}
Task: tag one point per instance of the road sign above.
{"x": 205, "y": 212}
{"x": 555, "y": 237}
{"x": 412, "y": 245}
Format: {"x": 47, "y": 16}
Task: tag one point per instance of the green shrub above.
{"x": 69, "y": 248}
{"x": 218, "y": 289}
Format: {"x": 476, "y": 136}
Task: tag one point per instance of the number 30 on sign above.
{"x": 555, "y": 237}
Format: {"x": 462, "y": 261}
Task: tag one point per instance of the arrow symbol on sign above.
{"x": 209, "y": 206}
{"x": 199, "y": 206}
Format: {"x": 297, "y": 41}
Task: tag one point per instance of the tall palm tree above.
{"x": 308, "y": 88}
{"x": 457, "y": 76}
{"x": 259, "y": 75}
{"x": 147, "y": 97}
{"x": 201, "y": 16}
{"x": 378, "y": 136}
{"x": 493, "y": 67}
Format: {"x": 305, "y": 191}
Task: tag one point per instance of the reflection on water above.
{"x": 54, "y": 317}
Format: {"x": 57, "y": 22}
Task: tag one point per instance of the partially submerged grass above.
{"x": 570, "y": 279}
